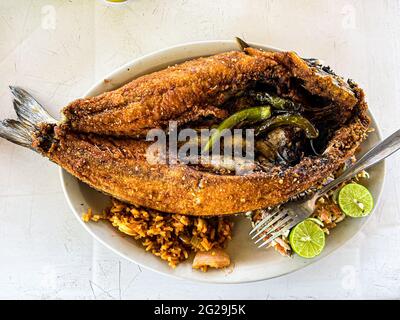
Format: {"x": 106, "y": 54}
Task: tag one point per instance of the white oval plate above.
{"x": 249, "y": 263}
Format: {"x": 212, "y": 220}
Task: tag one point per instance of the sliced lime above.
{"x": 355, "y": 200}
{"x": 307, "y": 239}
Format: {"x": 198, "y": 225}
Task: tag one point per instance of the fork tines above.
{"x": 271, "y": 227}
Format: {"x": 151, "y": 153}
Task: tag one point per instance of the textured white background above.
{"x": 58, "y": 49}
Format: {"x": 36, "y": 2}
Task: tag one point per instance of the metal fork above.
{"x": 290, "y": 214}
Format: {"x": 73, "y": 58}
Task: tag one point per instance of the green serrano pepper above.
{"x": 294, "y": 120}
{"x": 250, "y": 114}
{"x": 275, "y": 101}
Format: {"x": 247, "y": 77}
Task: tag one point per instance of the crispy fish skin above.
{"x": 194, "y": 89}
{"x": 323, "y": 85}
{"x": 183, "y": 92}
{"x": 119, "y": 167}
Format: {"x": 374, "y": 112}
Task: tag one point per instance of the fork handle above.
{"x": 379, "y": 152}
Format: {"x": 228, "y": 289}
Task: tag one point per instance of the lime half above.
{"x": 307, "y": 239}
{"x": 355, "y": 200}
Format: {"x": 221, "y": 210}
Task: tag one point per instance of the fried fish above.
{"x": 199, "y": 88}
{"x": 100, "y": 140}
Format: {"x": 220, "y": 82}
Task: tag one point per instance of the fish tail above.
{"x": 28, "y": 110}
{"x": 30, "y": 115}
{"x": 16, "y": 132}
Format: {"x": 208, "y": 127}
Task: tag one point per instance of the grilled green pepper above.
{"x": 275, "y": 101}
{"x": 250, "y": 114}
{"x": 294, "y": 120}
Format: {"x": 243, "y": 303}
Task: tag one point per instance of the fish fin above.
{"x": 30, "y": 114}
{"x": 242, "y": 44}
{"x": 16, "y": 132}
{"x": 29, "y": 111}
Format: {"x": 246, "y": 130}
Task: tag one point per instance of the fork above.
{"x": 286, "y": 217}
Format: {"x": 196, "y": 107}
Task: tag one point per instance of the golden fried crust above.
{"x": 182, "y": 92}
{"x": 332, "y": 88}
{"x": 194, "y": 89}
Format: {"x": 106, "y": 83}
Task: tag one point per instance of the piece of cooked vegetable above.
{"x": 249, "y": 114}
{"x": 275, "y": 101}
{"x": 294, "y": 120}
{"x": 215, "y": 258}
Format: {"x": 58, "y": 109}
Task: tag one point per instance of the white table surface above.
{"x": 58, "y": 49}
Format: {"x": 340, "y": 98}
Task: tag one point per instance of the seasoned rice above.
{"x": 172, "y": 237}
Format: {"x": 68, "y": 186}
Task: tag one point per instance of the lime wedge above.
{"x": 307, "y": 239}
{"x": 355, "y": 200}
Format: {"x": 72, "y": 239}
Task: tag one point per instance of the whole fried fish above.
{"x": 98, "y": 141}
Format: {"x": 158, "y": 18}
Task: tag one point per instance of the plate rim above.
{"x": 129, "y": 65}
